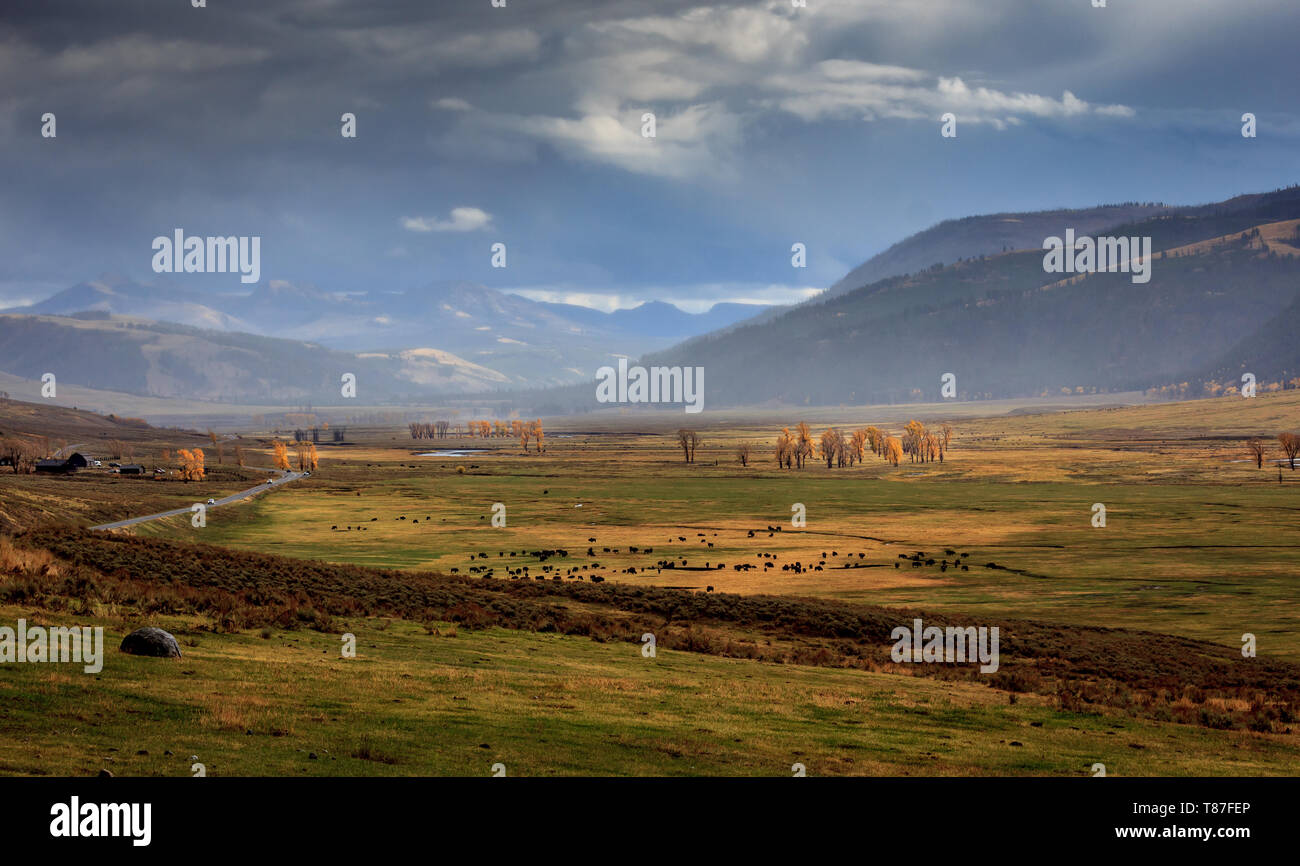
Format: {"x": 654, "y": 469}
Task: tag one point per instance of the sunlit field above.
{"x": 456, "y": 702}
{"x": 1197, "y": 543}
{"x": 1197, "y": 540}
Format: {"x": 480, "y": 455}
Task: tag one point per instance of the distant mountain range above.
{"x": 1223, "y": 294}
{"x": 529, "y": 343}
{"x": 137, "y": 356}
{"x": 972, "y": 299}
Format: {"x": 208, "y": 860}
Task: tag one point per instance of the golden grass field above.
{"x": 1198, "y": 543}
{"x": 456, "y": 702}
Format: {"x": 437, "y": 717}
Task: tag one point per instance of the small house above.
{"x": 54, "y": 466}
{"x": 131, "y": 469}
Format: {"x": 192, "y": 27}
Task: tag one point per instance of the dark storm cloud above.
{"x": 774, "y": 125}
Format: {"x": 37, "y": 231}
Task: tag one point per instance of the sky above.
{"x": 522, "y": 125}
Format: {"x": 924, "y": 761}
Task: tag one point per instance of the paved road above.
{"x": 285, "y": 478}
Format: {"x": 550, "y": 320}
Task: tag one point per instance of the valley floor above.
{"x": 1197, "y": 544}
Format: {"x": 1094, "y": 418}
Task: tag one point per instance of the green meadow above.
{"x": 1197, "y": 543}
{"x": 456, "y": 702}
{"x": 1196, "y": 559}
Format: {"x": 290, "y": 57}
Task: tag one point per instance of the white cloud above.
{"x": 744, "y": 35}
{"x": 452, "y": 103}
{"x": 690, "y": 141}
{"x": 708, "y": 72}
{"x": 463, "y": 219}
{"x": 837, "y": 89}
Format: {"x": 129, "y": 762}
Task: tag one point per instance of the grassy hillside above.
{"x": 68, "y": 424}
{"x": 96, "y": 495}
{"x": 452, "y": 675}
{"x": 1003, "y": 327}
{"x": 454, "y": 702}
{"x": 987, "y": 235}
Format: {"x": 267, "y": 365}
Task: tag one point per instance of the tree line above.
{"x": 794, "y": 448}
{"x": 1211, "y": 388}
{"x": 527, "y": 432}
{"x": 917, "y": 443}
{"x": 308, "y": 459}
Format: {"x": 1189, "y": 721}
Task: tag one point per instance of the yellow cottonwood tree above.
{"x": 191, "y": 464}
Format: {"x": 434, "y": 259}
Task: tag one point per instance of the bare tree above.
{"x": 914, "y": 440}
{"x": 1290, "y": 446}
{"x": 19, "y": 454}
{"x": 832, "y": 443}
{"x": 784, "y": 447}
{"x": 743, "y": 452}
{"x": 688, "y": 440}
{"x": 803, "y": 447}
{"x": 1256, "y": 448}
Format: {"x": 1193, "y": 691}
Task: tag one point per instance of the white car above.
{"x": 212, "y": 502}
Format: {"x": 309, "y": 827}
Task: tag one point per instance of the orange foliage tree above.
{"x": 191, "y": 464}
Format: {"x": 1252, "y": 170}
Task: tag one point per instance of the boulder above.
{"x": 151, "y": 641}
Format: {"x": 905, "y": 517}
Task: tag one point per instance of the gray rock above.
{"x": 151, "y": 641}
